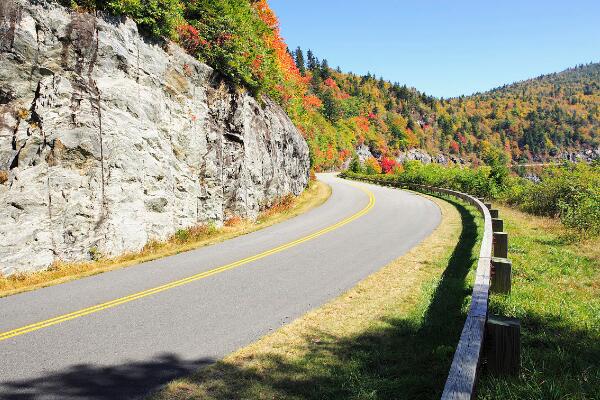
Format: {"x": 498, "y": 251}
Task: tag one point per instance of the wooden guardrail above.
{"x": 504, "y": 347}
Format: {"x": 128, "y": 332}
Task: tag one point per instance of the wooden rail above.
{"x": 462, "y": 378}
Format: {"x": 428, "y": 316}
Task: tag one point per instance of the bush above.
{"x": 569, "y": 192}
{"x": 372, "y": 166}
{"x": 157, "y": 18}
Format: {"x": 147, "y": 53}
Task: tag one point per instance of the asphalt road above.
{"x": 128, "y": 348}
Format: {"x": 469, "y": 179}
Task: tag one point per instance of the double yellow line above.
{"x": 139, "y": 295}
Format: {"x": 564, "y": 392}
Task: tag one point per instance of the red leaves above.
{"x": 256, "y": 66}
{"x": 329, "y": 82}
{"x": 190, "y": 38}
{"x": 454, "y": 147}
{"x": 388, "y": 165}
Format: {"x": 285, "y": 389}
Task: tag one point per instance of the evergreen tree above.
{"x": 311, "y": 61}
{"x": 299, "y": 57}
{"x": 325, "y": 73}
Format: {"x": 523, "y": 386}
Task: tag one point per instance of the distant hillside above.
{"x": 538, "y": 118}
{"x": 533, "y": 120}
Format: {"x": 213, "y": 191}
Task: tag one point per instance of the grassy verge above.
{"x": 556, "y": 295}
{"x": 392, "y": 336}
{"x": 183, "y": 240}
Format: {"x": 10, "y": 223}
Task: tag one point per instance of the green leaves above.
{"x": 154, "y": 17}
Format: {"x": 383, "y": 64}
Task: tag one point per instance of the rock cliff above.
{"x": 108, "y": 140}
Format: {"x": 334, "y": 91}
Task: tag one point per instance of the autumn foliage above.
{"x": 532, "y": 120}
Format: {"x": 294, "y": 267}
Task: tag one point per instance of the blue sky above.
{"x": 442, "y": 47}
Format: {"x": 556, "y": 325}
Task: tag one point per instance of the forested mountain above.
{"x": 533, "y": 120}
{"x": 337, "y": 112}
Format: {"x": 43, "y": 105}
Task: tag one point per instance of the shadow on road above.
{"x": 127, "y": 381}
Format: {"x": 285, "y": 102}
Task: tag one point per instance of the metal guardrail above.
{"x": 462, "y": 378}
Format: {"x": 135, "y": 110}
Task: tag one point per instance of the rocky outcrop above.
{"x": 108, "y": 140}
{"x": 585, "y": 155}
{"x": 363, "y": 153}
{"x": 426, "y": 158}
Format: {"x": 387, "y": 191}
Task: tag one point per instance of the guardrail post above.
{"x": 497, "y": 225}
{"x": 501, "y": 244}
{"x": 503, "y": 349}
{"x": 501, "y": 275}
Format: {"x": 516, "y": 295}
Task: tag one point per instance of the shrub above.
{"x": 154, "y": 17}
{"x": 355, "y": 165}
{"x": 233, "y": 221}
{"x": 182, "y": 235}
{"x": 569, "y": 192}
{"x": 583, "y": 214}
{"x": 372, "y": 166}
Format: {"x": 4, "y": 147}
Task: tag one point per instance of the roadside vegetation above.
{"x": 183, "y": 240}
{"x": 556, "y": 295}
{"x": 569, "y": 192}
{"x": 556, "y": 279}
{"x": 392, "y": 336}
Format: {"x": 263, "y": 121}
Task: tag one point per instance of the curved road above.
{"x": 57, "y": 343}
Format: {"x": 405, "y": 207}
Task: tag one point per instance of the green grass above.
{"x": 556, "y": 295}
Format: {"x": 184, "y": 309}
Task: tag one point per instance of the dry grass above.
{"x": 3, "y": 176}
{"x": 304, "y": 358}
{"x": 183, "y": 240}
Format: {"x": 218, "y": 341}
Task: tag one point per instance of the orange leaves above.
{"x": 266, "y": 14}
{"x": 331, "y": 84}
{"x": 311, "y": 102}
{"x": 372, "y": 166}
{"x": 363, "y": 124}
{"x": 454, "y": 147}
{"x": 344, "y": 155}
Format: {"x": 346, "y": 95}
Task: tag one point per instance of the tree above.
{"x": 299, "y": 58}
{"x": 355, "y": 165}
{"x": 331, "y": 107}
{"x": 311, "y": 60}
{"x": 325, "y": 73}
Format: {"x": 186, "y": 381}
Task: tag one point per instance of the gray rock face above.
{"x": 414, "y": 155}
{"x": 363, "y": 153}
{"x": 108, "y": 141}
{"x": 425, "y": 158}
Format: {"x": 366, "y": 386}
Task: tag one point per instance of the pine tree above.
{"x": 311, "y": 61}
{"x": 325, "y": 73}
{"x": 299, "y": 57}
